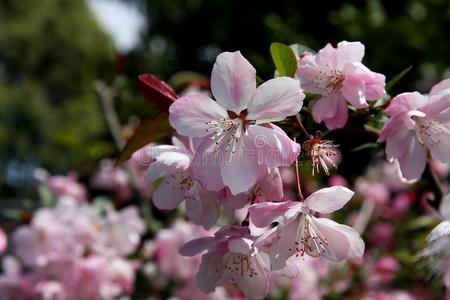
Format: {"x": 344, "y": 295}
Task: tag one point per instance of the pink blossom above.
{"x": 174, "y": 165}
{"x": 231, "y": 257}
{"x": 418, "y": 123}
{"x": 114, "y": 179}
{"x": 300, "y": 232}
{"x": 237, "y": 142}
{"x": 381, "y": 234}
{"x": 375, "y": 192}
{"x": 166, "y": 245}
{"x": 3, "y": 241}
{"x": 67, "y": 186}
{"x": 338, "y": 75}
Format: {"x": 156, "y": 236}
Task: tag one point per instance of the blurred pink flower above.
{"x": 3, "y": 241}
{"x": 166, "y": 245}
{"x": 231, "y": 130}
{"x": 375, "y": 192}
{"x": 338, "y": 75}
{"x": 418, "y": 123}
{"x": 381, "y": 235}
{"x": 67, "y": 186}
{"x": 113, "y": 179}
{"x": 300, "y": 232}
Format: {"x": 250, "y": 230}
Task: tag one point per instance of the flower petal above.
{"x": 171, "y": 191}
{"x": 166, "y": 164}
{"x": 444, "y": 209}
{"x": 197, "y": 246}
{"x": 202, "y": 207}
{"x": 338, "y": 245}
{"x": 240, "y": 245}
{"x": 271, "y": 186}
{"x": 326, "y": 107}
{"x": 307, "y": 73}
{"x": 413, "y": 161}
{"x": 233, "y": 81}
{"x": 211, "y": 270}
{"x": 404, "y": 103}
{"x": 440, "y": 87}
{"x": 327, "y": 56}
{"x": 271, "y": 146}
{"x": 275, "y": 100}
{"x": 349, "y": 52}
{"x": 328, "y": 200}
{"x": 256, "y": 286}
{"x": 206, "y": 166}
{"x": 189, "y": 115}
{"x": 340, "y": 118}
{"x": 264, "y": 213}
{"x": 285, "y": 246}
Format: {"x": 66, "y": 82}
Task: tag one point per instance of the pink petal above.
{"x": 275, "y": 100}
{"x": 328, "y": 200}
{"x": 189, "y": 115}
{"x": 233, "y": 81}
{"x": 206, "y": 166}
{"x": 413, "y": 161}
{"x": 202, "y": 207}
{"x": 438, "y": 107}
{"x": 166, "y": 164}
{"x": 404, "y": 103}
{"x": 264, "y": 213}
{"x": 257, "y": 286}
{"x": 285, "y": 246}
{"x": 349, "y": 52}
{"x": 240, "y": 170}
{"x": 307, "y": 74}
{"x": 326, "y": 107}
{"x": 340, "y": 118}
{"x": 155, "y": 151}
{"x": 210, "y": 271}
{"x": 272, "y": 186}
{"x": 232, "y": 230}
{"x": 354, "y": 88}
{"x": 271, "y": 146}
{"x": 240, "y": 245}
{"x": 374, "y": 82}
{"x": 328, "y": 57}
{"x": 444, "y": 209}
{"x": 170, "y": 192}
{"x": 338, "y": 245}
{"x": 440, "y": 150}
{"x": 197, "y": 246}
{"x": 440, "y": 87}
{"x": 399, "y": 139}
{"x": 357, "y": 245}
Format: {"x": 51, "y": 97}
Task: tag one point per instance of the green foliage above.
{"x": 284, "y": 59}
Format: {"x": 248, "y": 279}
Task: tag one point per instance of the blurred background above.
{"x": 58, "y": 58}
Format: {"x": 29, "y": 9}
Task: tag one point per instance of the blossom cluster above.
{"x": 73, "y": 251}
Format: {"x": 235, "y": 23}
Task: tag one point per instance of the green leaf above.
{"x": 397, "y": 78}
{"x": 299, "y": 49}
{"x": 365, "y": 146}
{"x": 284, "y": 59}
{"x": 46, "y": 196}
{"x": 150, "y": 130}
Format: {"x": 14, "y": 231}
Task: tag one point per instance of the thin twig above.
{"x": 298, "y": 121}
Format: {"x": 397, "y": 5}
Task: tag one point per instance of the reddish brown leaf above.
{"x": 157, "y": 92}
{"x": 150, "y": 130}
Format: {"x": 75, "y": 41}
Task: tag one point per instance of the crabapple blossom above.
{"x": 322, "y": 153}
{"x": 67, "y": 186}
{"x": 237, "y": 142}
{"x": 338, "y": 75}
{"x": 418, "y": 123}
{"x": 299, "y": 232}
{"x": 231, "y": 257}
{"x": 174, "y": 165}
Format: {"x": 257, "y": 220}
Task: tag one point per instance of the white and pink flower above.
{"x": 299, "y": 232}
{"x": 418, "y": 123}
{"x": 338, "y": 75}
{"x": 237, "y": 142}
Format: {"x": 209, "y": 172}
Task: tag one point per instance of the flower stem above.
{"x": 298, "y": 121}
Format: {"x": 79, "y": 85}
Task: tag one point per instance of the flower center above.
{"x": 322, "y": 153}
{"x": 309, "y": 240}
{"x": 240, "y": 265}
{"x": 429, "y": 132}
{"x": 330, "y": 82}
{"x": 227, "y": 133}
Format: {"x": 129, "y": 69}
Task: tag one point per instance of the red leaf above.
{"x": 157, "y": 92}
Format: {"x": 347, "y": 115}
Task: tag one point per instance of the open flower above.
{"x": 174, "y": 165}
{"x": 339, "y": 76}
{"x": 418, "y": 123}
{"x": 237, "y": 140}
{"x": 230, "y": 258}
{"x": 299, "y": 232}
